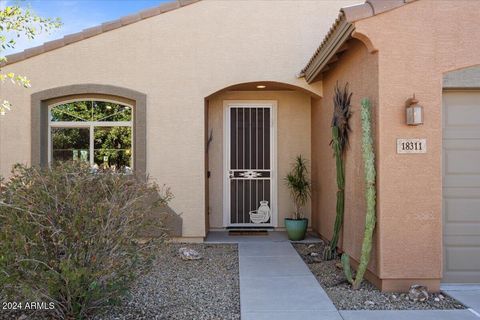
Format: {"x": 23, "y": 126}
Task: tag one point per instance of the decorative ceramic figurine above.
{"x": 264, "y": 209}
{"x": 262, "y": 214}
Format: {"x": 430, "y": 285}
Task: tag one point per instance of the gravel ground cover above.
{"x": 331, "y": 277}
{"x": 176, "y": 289}
{"x": 205, "y": 289}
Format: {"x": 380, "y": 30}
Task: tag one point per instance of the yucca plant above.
{"x": 339, "y": 143}
{"x": 299, "y": 185}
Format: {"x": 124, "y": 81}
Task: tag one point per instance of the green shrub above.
{"x": 299, "y": 185}
{"x": 70, "y": 236}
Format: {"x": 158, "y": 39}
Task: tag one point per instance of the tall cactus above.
{"x": 340, "y": 131}
{"x": 370, "y": 197}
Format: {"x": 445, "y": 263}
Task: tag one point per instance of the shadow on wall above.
{"x": 160, "y": 219}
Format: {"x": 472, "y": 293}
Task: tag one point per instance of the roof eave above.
{"x": 96, "y": 30}
{"x": 330, "y": 47}
{"x": 341, "y": 31}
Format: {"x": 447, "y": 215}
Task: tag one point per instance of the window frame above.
{"x": 91, "y": 125}
{"x": 40, "y": 100}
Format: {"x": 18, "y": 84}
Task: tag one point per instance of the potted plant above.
{"x": 299, "y": 185}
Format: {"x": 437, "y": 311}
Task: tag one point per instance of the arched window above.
{"x": 96, "y": 131}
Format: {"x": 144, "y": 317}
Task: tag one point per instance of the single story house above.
{"x": 216, "y": 98}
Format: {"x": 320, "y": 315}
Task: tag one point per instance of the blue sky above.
{"x": 78, "y": 14}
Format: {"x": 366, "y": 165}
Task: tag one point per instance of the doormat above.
{"x": 248, "y": 233}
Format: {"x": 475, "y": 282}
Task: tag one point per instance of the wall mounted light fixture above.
{"x": 414, "y": 112}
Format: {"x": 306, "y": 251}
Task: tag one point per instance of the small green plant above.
{"x": 71, "y": 237}
{"x": 340, "y": 132}
{"x": 299, "y": 185}
{"x": 370, "y": 197}
{"x": 18, "y": 21}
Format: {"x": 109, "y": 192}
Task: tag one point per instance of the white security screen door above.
{"x": 250, "y": 193}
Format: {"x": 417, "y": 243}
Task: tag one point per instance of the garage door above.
{"x": 461, "y": 186}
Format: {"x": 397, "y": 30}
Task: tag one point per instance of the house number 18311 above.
{"x": 411, "y": 145}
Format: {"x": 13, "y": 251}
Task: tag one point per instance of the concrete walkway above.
{"x": 275, "y": 283}
{"x": 469, "y": 295}
{"x": 408, "y": 315}
{"x": 273, "y": 236}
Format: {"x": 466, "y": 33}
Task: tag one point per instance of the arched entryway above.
{"x": 253, "y": 133}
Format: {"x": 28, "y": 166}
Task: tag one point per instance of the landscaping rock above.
{"x": 332, "y": 279}
{"x": 189, "y": 254}
{"x": 206, "y": 289}
{"x": 418, "y": 293}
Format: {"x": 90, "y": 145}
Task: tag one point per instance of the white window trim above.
{"x": 88, "y": 124}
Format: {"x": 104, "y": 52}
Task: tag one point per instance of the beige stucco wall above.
{"x": 293, "y": 138}
{"x": 360, "y": 69}
{"x": 177, "y": 59}
{"x": 416, "y": 44}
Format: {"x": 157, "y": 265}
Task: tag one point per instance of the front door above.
{"x": 249, "y": 161}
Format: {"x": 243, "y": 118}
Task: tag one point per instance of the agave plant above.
{"x": 299, "y": 185}
{"x": 339, "y": 143}
{"x": 341, "y": 115}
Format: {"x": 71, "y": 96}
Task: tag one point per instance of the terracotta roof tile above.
{"x": 341, "y": 17}
{"x": 16, "y": 57}
{"x": 110, "y": 25}
{"x": 358, "y": 12}
{"x": 130, "y": 19}
{"x": 33, "y": 51}
{"x": 169, "y": 6}
{"x": 371, "y": 8}
{"x": 380, "y": 6}
{"x": 91, "y": 32}
{"x": 150, "y": 12}
{"x": 349, "y": 15}
{"x": 52, "y": 45}
{"x": 186, "y": 2}
{"x": 74, "y": 37}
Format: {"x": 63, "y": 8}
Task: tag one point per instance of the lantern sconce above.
{"x": 414, "y": 112}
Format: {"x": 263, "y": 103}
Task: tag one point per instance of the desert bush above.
{"x": 70, "y": 236}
